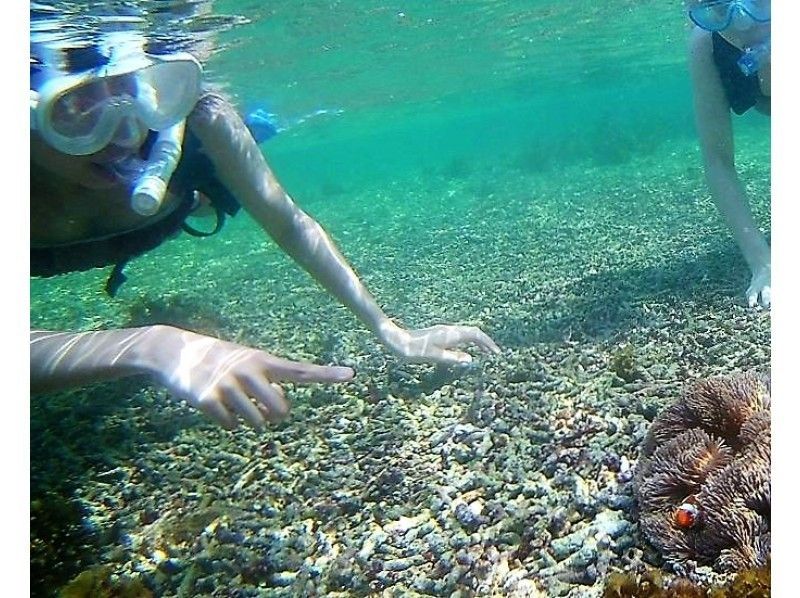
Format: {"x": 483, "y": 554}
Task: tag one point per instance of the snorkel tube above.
{"x": 753, "y": 57}
{"x": 149, "y": 191}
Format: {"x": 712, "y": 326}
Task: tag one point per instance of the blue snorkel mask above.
{"x": 717, "y": 15}
{"x": 741, "y": 15}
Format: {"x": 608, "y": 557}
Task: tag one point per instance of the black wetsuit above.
{"x": 743, "y": 92}
{"x": 194, "y": 172}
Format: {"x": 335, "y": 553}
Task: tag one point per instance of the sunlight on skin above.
{"x": 419, "y": 345}
{"x": 222, "y": 379}
{"x": 127, "y": 344}
{"x": 191, "y": 355}
{"x": 210, "y": 393}
{"x": 81, "y": 347}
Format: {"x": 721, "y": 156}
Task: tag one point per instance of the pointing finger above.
{"x": 284, "y": 369}
{"x": 480, "y": 338}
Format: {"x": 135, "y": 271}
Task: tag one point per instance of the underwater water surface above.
{"x": 526, "y": 166}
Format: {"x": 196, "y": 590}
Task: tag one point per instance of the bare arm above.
{"x": 715, "y": 130}
{"x": 243, "y": 169}
{"x": 67, "y": 359}
{"x": 212, "y": 375}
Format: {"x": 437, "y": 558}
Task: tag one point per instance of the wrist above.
{"x": 154, "y": 342}
{"x": 757, "y": 254}
{"x": 753, "y": 245}
{"x": 389, "y": 333}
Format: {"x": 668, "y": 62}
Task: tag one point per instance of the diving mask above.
{"x": 80, "y": 114}
{"x": 717, "y": 15}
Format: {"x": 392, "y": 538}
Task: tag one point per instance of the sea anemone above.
{"x": 703, "y": 479}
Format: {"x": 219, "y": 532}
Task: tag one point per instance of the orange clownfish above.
{"x": 687, "y": 515}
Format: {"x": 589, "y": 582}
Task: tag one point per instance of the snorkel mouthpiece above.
{"x": 151, "y": 188}
{"x": 753, "y": 57}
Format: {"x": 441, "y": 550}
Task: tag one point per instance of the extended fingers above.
{"x": 766, "y": 296}
{"x": 450, "y": 336}
{"x": 759, "y": 296}
{"x": 298, "y": 371}
{"x": 479, "y": 337}
{"x": 752, "y": 297}
{"x": 447, "y": 356}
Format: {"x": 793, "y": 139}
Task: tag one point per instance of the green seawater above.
{"x": 423, "y": 84}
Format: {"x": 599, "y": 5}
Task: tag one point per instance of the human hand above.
{"x": 226, "y": 380}
{"x": 435, "y": 343}
{"x": 759, "y": 292}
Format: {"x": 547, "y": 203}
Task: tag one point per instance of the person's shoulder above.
{"x": 700, "y": 42}
{"x": 211, "y": 102}
{"x": 701, "y": 52}
{"x": 212, "y": 109}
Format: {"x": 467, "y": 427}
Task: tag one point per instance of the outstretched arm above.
{"x": 713, "y": 122}
{"x": 217, "y": 377}
{"x": 242, "y": 168}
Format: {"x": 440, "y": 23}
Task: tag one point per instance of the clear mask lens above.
{"x": 166, "y": 93}
{"x": 129, "y": 133}
{"x": 84, "y": 118}
{"x": 82, "y": 110}
{"x": 740, "y": 20}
